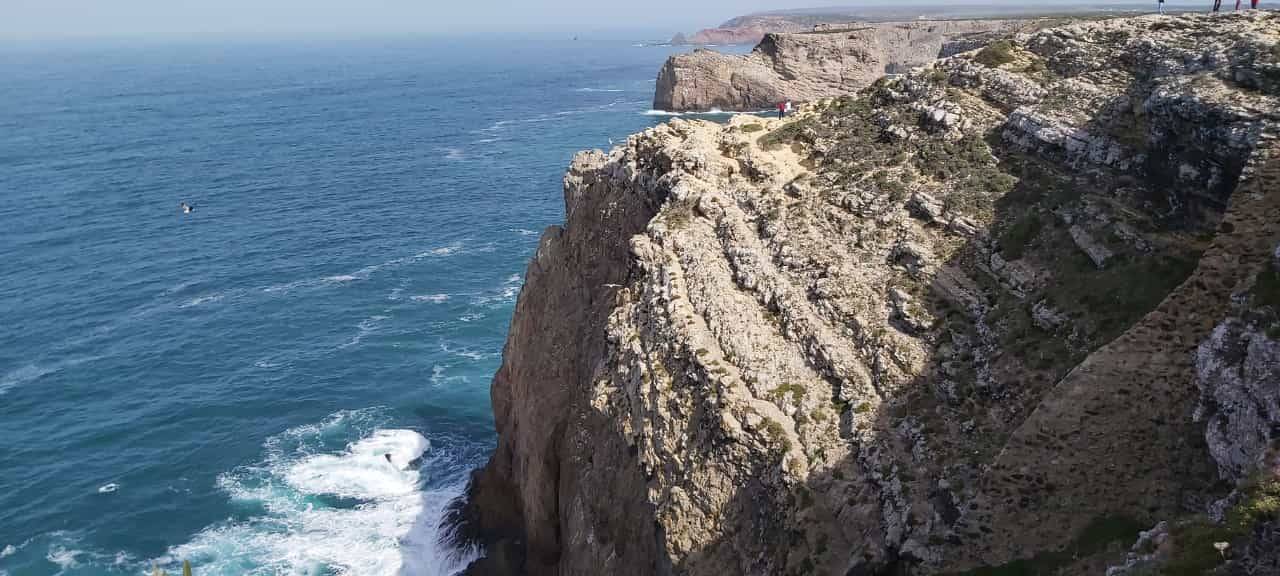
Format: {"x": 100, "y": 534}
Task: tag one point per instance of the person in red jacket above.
{"x": 1253, "y": 4}
{"x": 782, "y": 109}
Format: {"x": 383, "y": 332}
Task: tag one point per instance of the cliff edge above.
{"x": 1006, "y": 311}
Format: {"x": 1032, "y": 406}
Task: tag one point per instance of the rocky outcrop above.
{"x": 809, "y": 66}
{"x": 1239, "y": 376}
{"x": 962, "y": 319}
{"x": 745, "y": 30}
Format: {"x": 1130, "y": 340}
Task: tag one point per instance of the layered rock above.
{"x": 809, "y": 66}
{"x": 963, "y": 319}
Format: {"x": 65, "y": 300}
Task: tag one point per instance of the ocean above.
{"x": 294, "y": 377}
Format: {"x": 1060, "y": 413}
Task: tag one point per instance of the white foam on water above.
{"x": 108, "y": 488}
{"x": 363, "y": 273}
{"x": 442, "y": 251}
{"x": 206, "y": 299}
{"x": 9, "y": 550}
{"x": 64, "y": 557}
{"x": 365, "y": 327}
{"x": 439, "y": 377}
{"x": 600, "y": 90}
{"x": 433, "y": 298}
{"x": 465, "y": 352}
{"x": 32, "y": 372}
{"x": 28, "y": 373}
{"x": 504, "y": 295}
{"x": 454, "y": 154}
{"x": 388, "y": 525}
{"x": 711, "y": 112}
{"x": 179, "y": 287}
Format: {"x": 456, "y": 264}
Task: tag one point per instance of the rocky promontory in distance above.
{"x": 751, "y": 28}
{"x": 1014, "y": 312}
{"x": 833, "y": 59}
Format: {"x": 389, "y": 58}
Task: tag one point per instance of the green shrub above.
{"x": 1014, "y": 241}
{"x": 777, "y": 433}
{"x": 1100, "y": 534}
{"x": 996, "y": 54}
{"x": 749, "y": 128}
{"x": 897, "y": 190}
{"x": 796, "y": 392}
{"x": 787, "y": 134}
{"x": 1266, "y": 289}
{"x": 1194, "y": 552}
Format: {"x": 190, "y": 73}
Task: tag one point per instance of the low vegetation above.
{"x": 1266, "y": 289}
{"x": 785, "y": 135}
{"x": 1194, "y": 542}
{"x": 996, "y": 54}
{"x": 1015, "y": 240}
{"x": 795, "y": 391}
{"x": 1109, "y": 301}
{"x": 1098, "y": 536}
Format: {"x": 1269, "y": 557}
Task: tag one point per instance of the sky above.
{"x": 21, "y": 19}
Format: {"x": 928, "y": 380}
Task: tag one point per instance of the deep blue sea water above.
{"x": 225, "y": 385}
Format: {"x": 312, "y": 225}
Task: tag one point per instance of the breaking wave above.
{"x": 343, "y": 497}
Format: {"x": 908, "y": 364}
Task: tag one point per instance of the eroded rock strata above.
{"x": 1007, "y": 311}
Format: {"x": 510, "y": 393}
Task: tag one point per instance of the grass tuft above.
{"x": 996, "y": 54}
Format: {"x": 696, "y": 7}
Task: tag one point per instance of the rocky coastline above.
{"x": 1015, "y": 309}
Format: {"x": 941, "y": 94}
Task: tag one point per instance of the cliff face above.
{"x": 1003, "y": 311}
{"x": 805, "y": 67}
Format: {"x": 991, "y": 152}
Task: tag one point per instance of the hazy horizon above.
{"x": 167, "y": 19}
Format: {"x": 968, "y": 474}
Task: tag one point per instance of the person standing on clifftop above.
{"x": 1160, "y": 6}
{"x": 782, "y": 109}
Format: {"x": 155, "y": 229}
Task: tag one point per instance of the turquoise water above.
{"x": 226, "y": 385}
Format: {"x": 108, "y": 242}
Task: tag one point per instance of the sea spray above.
{"x": 362, "y": 510}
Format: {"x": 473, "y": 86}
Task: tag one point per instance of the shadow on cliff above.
{"x": 919, "y": 486}
{"x": 914, "y": 486}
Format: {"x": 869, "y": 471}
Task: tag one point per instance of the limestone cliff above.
{"x": 808, "y": 66}
{"x": 1006, "y": 310}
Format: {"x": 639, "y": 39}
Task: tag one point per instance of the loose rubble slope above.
{"x": 979, "y": 315}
